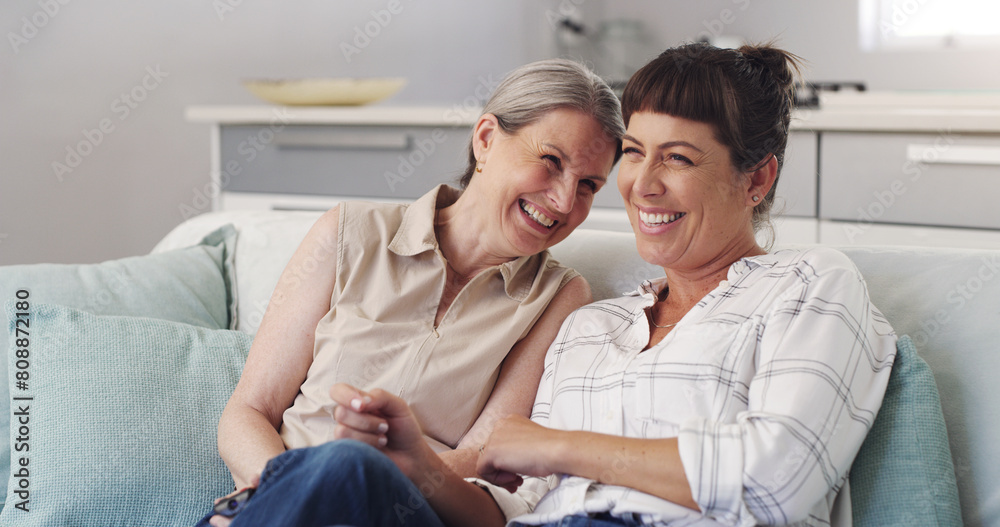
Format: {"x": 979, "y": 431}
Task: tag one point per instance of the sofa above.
{"x": 118, "y": 372}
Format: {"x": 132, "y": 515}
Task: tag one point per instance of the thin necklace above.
{"x": 657, "y": 325}
{"x": 662, "y": 327}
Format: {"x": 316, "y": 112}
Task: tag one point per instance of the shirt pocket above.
{"x": 700, "y": 371}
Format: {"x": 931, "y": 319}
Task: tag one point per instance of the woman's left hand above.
{"x": 384, "y": 421}
{"x": 519, "y": 446}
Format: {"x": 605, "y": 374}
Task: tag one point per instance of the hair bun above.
{"x": 782, "y": 65}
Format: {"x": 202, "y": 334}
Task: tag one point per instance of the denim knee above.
{"x": 346, "y": 461}
{"x": 343, "y": 482}
{"x": 349, "y": 454}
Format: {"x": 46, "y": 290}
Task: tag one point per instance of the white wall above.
{"x": 826, "y": 35}
{"x": 126, "y": 193}
{"x": 70, "y": 74}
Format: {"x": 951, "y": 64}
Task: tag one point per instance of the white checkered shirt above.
{"x": 770, "y": 383}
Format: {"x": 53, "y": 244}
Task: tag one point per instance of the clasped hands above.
{"x": 517, "y": 446}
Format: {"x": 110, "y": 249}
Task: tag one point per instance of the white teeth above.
{"x": 537, "y": 215}
{"x": 657, "y": 219}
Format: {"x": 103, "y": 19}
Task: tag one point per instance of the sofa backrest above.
{"x": 264, "y": 246}
{"x": 947, "y": 300}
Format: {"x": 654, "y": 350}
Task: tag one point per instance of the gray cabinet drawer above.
{"x": 796, "y": 193}
{"x": 405, "y": 162}
{"x": 925, "y": 179}
{"x": 381, "y": 161}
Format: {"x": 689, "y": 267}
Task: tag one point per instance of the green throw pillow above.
{"x": 903, "y": 474}
{"x": 192, "y": 285}
{"x": 115, "y": 422}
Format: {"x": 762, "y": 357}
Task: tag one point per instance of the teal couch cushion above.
{"x": 903, "y": 474}
{"x": 193, "y": 285}
{"x": 120, "y": 415}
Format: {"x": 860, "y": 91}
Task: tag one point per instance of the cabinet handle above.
{"x": 341, "y": 141}
{"x": 300, "y": 208}
{"x": 954, "y": 154}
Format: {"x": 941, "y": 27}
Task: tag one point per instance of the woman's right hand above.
{"x": 361, "y": 415}
{"x": 519, "y": 446}
{"x": 383, "y": 421}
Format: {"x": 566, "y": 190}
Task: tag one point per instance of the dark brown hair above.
{"x": 746, "y": 94}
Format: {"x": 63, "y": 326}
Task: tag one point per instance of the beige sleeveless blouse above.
{"x": 379, "y": 332}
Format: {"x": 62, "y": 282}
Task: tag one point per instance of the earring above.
{"x": 478, "y": 168}
{"x": 755, "y": 199}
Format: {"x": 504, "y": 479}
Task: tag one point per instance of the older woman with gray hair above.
{"x": 449, "y": 302}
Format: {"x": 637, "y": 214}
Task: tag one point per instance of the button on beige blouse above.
{"x": 379, "y": 332}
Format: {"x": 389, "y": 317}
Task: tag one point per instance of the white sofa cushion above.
{"x": 264, "y": 246}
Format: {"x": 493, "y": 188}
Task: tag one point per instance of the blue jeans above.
{"x": 339, "y": 483}
{"x": 600, "y": 520}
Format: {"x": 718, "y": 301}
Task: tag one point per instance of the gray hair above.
{"x": 529, "y": 92}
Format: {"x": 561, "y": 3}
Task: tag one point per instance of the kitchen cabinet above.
{"x": 942, "y": 179}
{"x": 918, "y": 169}
{"x": 269, "y": 157}
{"x": 854, "y": 173}
{"x": 351, "y": 160}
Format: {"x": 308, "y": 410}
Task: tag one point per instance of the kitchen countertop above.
{"x": 359, "y": 115}
{"x": 860, "y": 112}
{"x": 903, "y": 112}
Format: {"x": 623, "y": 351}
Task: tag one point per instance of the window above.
{"x": 928, "y": 24}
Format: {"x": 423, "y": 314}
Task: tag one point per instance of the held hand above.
{"x": 382, "y": 420}
{"x": 357, "y": 418}
{"x": 518, "y": 446}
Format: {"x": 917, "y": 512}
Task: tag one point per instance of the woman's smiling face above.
{"x": 543, "y": 178}
{"x": 686, "y": 202}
